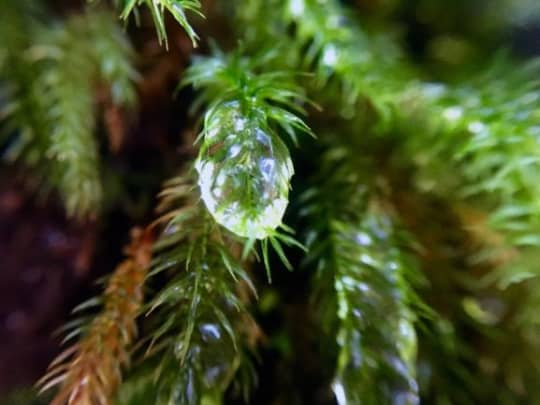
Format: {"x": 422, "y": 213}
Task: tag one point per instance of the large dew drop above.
{"x": 244, "y": 172}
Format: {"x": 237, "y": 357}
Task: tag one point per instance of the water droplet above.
{"x": 476, "y": 127}
{"x": 364, "y": 239}
{"x": 398, "y": 365}
{"x": 348, "y": 282}
{"x": 339, "y": 392}
{"x": 368, "y": 259}
{"x": 297, "y": 7}
{"x": 330, "y": 55}
{"x": 358, "y": 314}
{"x": 171, "y": 229}
{"x": 244, "y": 174}
{"x": 210, "y": 332}
{"x": 394, "y": 265}
{"x": 179, "y": 348}
{"x": 406, "y": 342}
{"x": 453, "y": 113}
{"x": 363, "y": 287}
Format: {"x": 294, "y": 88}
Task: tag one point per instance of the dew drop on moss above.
{"x": 210, "y": 332}
{"x": 244, "y": 172}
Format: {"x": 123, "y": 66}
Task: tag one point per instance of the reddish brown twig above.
{"x": 89, "y": 371}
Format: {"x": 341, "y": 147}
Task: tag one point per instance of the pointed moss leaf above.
{"x": 244, "y": 171}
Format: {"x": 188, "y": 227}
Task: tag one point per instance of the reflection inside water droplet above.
{"x": 214, "y": 373}
{"x": 267, "y": 168}
{"x": 263, "y": 138}
{"x": 234, "y": 151}
{"x": 190, "y": 389}
{"x": 240, "y": 123}
{"x": 405, "y": 398}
